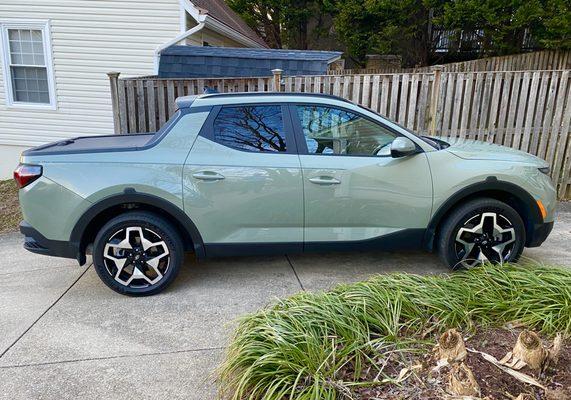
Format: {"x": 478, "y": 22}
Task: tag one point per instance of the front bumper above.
{"x": 37, "y": 243}
{"x": 539, "y": 234}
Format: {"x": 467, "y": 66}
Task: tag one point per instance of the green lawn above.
{"x": 328, "y": 345}
{"x": 10, "y": 215}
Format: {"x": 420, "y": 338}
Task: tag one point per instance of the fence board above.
{"x": 510, "y": 124}
{"x": 439, "y": 109}
{"x": 529, "y": 118}
{"x": 394, "y": 97}
{"x": 161, "y": 87}
{"x": 520, "y": 118}
{"x": 401, "y": 111}
{"x": 540, "y": 112}
{"x": 141, "y": 114}
{"x": 412, "y": 102}
{"x": 496, "y": 93}
{"x": 557, "y": 116}
{"x": 562, "y": 167}
{"x": 122, "y": 106}
{"x": 482, "y": 132}
{"x": 151, "y": 107}
{"x": 466, "y": 105}
{"x": 457, "y": 106}
{"x": 131, "y": 107}
{"x": 548, "y": 115}
{"x": 448, "y": 104}
{"x": 423, "y": 103}
{"x": 375, "y": 93}
{"x": 385, "y": 95}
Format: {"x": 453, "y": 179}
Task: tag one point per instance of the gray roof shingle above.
{"x": 252, "y": 53}
{"x": 225, "y": 62}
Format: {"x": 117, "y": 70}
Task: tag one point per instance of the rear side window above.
{"x": 251, "y": 128}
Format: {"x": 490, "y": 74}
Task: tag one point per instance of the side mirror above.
{"x": 402, "y": 146}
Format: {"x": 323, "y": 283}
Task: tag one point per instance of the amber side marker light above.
{"x": 542, "y": 209}
{"x": 25, "y": 174}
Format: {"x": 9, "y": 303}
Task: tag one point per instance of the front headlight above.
{"x": 545, "y": 170}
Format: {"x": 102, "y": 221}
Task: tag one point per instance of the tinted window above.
{"x": 330, "y": 130}
{"x": 251, "y": 128}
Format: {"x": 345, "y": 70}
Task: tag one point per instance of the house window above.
{"x": 27, "y": 64}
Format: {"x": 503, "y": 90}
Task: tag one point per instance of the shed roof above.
{"x": 218, "y": 9}
{"x": 251, "y": 53}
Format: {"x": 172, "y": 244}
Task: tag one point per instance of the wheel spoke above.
{"x": 123, "y": 244}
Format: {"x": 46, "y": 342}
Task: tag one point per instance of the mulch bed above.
{"x": 10, "y": 215}
{"x": 494, "y": 383}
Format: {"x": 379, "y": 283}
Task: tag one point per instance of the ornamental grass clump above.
{"x": 320, "y": 345}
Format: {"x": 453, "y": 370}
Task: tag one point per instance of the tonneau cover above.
{"x": 92, "y": 144}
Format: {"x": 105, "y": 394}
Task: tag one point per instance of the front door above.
{"x": 354, "y": 190}
{"x": 242, "y": 181}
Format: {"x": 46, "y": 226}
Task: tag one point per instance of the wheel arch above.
{"x": 507, "y": 192}
{"x": 99, "y": 213}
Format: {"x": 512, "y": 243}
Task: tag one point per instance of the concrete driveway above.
{"x": 64, "y": 335}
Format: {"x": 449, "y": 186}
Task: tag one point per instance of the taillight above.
{"x": 25, "y": 174}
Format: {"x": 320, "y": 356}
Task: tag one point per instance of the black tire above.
{"x": 453, "y": 249}
{"x": 168, "y": 254}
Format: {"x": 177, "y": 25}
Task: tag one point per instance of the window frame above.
{"x": 300, "y": 136}
{"x": 207, "y": 130}
{"x": 44, "y": 27}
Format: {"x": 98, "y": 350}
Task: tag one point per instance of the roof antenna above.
{"x": 209, "y": 90}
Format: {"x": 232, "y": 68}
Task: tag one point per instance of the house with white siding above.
{"x": 55, "y": 56}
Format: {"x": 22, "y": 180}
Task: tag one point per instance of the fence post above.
{"x": 436, "y": 83}
{"x": 113, "y": 83}
{"x": 277, "y": 79}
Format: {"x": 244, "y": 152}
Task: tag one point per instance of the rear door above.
{"x": 242, "y": 181}
{"x": 354, "y": 190}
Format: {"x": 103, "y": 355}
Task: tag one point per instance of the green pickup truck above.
{"x": 275, "y": 173}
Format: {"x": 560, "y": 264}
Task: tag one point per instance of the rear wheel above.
{"x": 137, "y": 253}
{"x": 482, "y": 230}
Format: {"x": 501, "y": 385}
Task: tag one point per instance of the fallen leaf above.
{"x": 518, "y": 375}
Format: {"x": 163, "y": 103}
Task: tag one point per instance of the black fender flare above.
{"x": 132, "y": 196}
{"x": 490, "y": 184}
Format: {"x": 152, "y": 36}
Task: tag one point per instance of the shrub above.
{"x": 297, "y": 347}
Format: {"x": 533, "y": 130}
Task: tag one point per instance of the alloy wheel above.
{"x": 136, "y": 257}
{"x": 485, "y": 237}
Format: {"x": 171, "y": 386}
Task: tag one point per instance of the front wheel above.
{"x": 137, "y": 253}
{"x": 480, "y": 231}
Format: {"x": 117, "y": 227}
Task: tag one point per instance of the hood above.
{"x": 470, "y": 149}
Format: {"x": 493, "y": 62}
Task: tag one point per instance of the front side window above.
{"x": 251, "y": 128}
{"x": 330, "y": 130}
{"x": 26, "y": 65}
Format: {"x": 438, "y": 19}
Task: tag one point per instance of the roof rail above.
{"x": 233, "y": 94}
{"x": 186, "y": 101}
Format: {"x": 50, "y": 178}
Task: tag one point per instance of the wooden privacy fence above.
{"x": 533, "y": 61}
{"x": 526, "y": 110}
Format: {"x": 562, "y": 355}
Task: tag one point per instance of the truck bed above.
{"x": 93, "y": 144}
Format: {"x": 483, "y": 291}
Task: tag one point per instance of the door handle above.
{"x": 324, "y": 180}
{"x": 208, "y": 176}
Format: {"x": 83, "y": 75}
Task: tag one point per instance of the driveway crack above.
{"x": 45, "y": 312}
{"x": 294, "y": 272}
{"x": 158, "y": 353}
